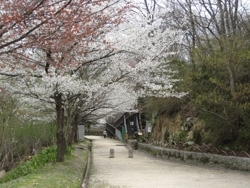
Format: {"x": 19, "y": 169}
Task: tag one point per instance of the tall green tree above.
{"x": 218, "y": 80}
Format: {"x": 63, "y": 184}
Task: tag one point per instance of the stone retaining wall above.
{"x": 231, "y": 162}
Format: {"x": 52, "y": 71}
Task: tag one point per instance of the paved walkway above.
{"x": 144, "y": 171}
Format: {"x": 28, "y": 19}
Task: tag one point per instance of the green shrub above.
{"x": 243, "y": 140}
{"x": 197, "y": 137}
{"x": 180, "y": 137}
{"x": 69, "y": 151}
{"x": 47, "y": 155}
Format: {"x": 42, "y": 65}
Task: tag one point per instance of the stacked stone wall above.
{"x": 230, "y": 162}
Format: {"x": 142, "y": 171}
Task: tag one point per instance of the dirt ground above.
{"x": 144, "y": 171}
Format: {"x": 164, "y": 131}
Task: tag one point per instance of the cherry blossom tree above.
{"x": 42, "y": 50}
{"x": 148, "y": 43}
{"x": 149, "y": 47}
{"x": 87, "y": 59}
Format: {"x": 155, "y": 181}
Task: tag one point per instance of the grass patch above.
{"x": 67, "y": 174}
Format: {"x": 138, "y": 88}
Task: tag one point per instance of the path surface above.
{"x": 144, "y": 171}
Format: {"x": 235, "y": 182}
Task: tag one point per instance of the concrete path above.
{"x": 144, "y": 171}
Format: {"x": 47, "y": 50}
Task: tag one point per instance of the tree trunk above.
{"x": 70, "y": 140}
{"x": 68, "y": 122}
{"x": 61, "y": 141}
{"x": 72, "y": 134}
{"x": 226, "y": 30}
{"x": 75, "y": 129}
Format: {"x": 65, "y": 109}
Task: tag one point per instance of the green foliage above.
{"x": 65, "y": 174}
{"x": 197, "y": 137}
{"x": 180, "y": 137}
{"x": 243, "y": 140}
{"x": 69, "y": 151}
{"x": 34, "y": 135}
{"x": 223, "y": 107}
{"x": 19, "y": 135}
{"x": 47, "y": 155}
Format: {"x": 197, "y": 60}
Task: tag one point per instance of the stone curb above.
{"x": 87, "y": 167}
{"x": 230, "y": 162}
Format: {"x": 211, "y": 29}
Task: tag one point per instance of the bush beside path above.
{"x": 68, "y": 174}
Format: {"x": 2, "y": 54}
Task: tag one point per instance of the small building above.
{"x": 125, "y": 125}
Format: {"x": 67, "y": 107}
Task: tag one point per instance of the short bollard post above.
{"x": 130, "y": 153}
{"x": 112, "y": 153}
